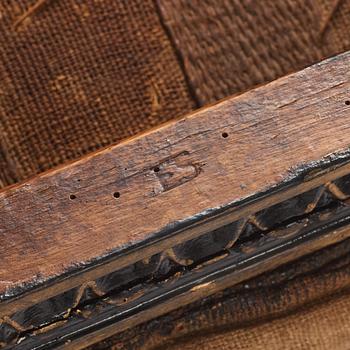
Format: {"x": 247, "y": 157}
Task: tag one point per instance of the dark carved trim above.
{"x": 182, "y": 268}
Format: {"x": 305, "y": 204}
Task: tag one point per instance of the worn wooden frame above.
{"x": 162, "y": 219}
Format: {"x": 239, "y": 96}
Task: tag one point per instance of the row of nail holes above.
{"x": 155, "y": 169}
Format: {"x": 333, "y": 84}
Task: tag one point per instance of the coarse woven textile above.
{"x": 79, "y": 75}
{"x": 266, "y": 303}
{"x": 323, "y": 326}
{"x": 228, "y": 46}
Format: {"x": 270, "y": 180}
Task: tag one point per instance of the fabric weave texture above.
{"x": 79, "y": 75}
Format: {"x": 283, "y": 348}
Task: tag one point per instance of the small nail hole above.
{"x": 347, "y": 103}
{"x": 72, "y": 196}
{"x": 116, "y": 194}
{"x": 156, "y": 169}
{"x": 224, "y": 135}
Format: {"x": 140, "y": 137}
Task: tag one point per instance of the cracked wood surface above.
{"x": 77, "y": 223}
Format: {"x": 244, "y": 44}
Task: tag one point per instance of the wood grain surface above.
{"x": 136, "y": 198}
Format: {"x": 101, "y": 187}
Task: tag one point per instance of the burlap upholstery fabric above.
{"x": 229, "y": 46}
{"x": 336, "y": 34}
{"x": 322, "y": 326}
{"x": 79, "y": 75}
